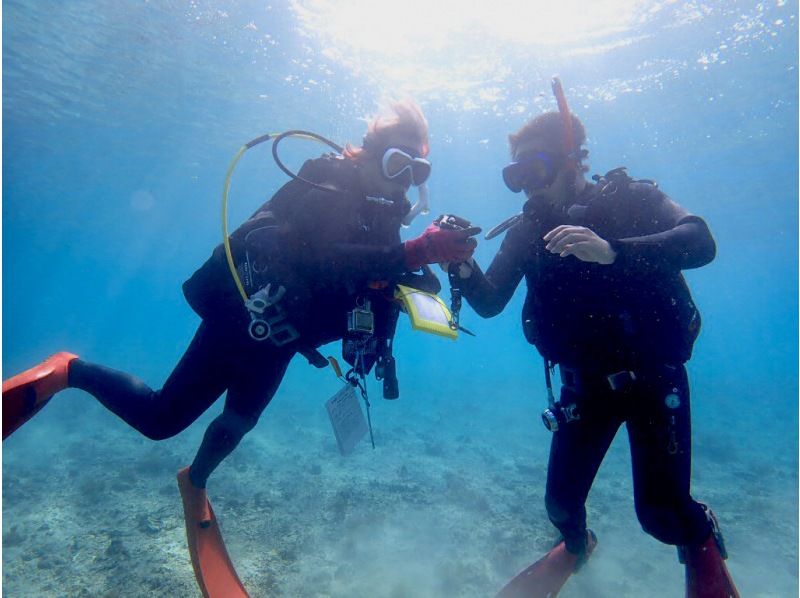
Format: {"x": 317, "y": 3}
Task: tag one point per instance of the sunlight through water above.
{"x": 475, "y": 55}
{"x": 420, "y": 45}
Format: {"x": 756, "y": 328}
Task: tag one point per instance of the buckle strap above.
{"x": 314, "y": 357}
{"x": 616, "y": 381}
{"x": 621, "y": 380}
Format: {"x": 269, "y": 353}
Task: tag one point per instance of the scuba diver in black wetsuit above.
{"x": 608, "y": 304}
{"x": 326, "y": 245}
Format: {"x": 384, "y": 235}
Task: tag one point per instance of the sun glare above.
{"x": 447, "y": 45}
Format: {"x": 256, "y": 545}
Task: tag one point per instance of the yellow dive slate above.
{"x": 426, "y": 311}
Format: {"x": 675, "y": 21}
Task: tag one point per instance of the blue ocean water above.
{"x": 119, "y": 121}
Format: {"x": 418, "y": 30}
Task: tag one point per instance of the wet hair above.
{"x": 549, "y": 127}
{"x": 403, "y": 117}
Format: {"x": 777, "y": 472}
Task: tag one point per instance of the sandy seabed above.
{"x": 449, "y": 504}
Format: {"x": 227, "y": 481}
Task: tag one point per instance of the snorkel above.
{"x": 573, "y": 157}
{"x": 420, "y": 207}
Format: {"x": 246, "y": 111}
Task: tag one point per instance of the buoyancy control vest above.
{"x": 264, "y": 252}
{"x": 589, "y": 315}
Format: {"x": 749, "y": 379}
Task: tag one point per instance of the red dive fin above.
{"x": 212, "y": 566}
{"x": 706, "y": 573}
{"x": 26, "y": 393}
{"x": 547, "y": 576}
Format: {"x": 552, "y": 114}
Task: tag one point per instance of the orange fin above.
{"x": 212, "y": 566}
{"x": 546, "y": 577}
{"x": 26, "y": 393}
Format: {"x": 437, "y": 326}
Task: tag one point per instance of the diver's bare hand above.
{"x": 582, "y": 242}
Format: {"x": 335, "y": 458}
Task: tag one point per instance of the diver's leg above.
{"x": 659, "y": 430}
{"x": 255, "y": 375}
{"x": 576, "y": 451}
{"x": 197, "y": 381}
{"x": 660, "y": 436}
{"x": 255, "y": 381}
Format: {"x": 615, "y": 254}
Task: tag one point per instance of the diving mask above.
{"x": 532, "y": 171}
{"x": 396, "y": 163}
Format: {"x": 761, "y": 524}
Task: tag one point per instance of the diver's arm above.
{"x": 311, "y": 232}
{"x": 360, "y": 264}
{"x": 315, "y": 236}
{"x": 489, "y": 293}
{"x": 330, "y": 261}
{"x": 685, "y": 243}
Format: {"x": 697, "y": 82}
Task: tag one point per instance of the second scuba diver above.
{"x": 608, "y": 304}
{"x": 325, "y": 246}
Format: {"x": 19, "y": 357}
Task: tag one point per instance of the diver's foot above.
{"x": 591, "y": 544}
{"x": 198, "y": 508}
{"x": 26, "y": 393}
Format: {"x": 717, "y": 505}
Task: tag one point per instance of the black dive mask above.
{"x": 532, "y": 171}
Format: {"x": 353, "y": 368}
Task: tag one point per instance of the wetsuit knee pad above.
{"x": 557, "y": 511}
{"x": 668, "y": 523}
{"x": 231, "y": 427}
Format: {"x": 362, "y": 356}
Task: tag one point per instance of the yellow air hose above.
{"x": 227, "y": 187}
{"x": 225, "y": 239}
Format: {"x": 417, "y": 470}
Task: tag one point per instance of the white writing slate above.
{"x": 428, "y": 308}
{"x": 347, "y": 419}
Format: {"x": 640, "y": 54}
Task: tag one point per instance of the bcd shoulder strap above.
{"x": 615, "y": 181}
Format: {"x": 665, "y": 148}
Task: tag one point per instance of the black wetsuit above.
{"x": 635, "y": 315}
{"x": 324, "y": 248}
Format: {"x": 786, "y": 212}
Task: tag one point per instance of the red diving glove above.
{"x": 438, "y": 245}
